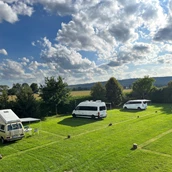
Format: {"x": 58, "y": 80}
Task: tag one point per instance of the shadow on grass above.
{"x": 7, "y": 143}
{"x": 131, "y": 110}
{"x": 74, "y": 122}
{"x": 164, "y": 108}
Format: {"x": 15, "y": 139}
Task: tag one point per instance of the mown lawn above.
{"x": 95, "y": 146}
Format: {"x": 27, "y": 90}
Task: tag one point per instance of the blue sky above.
{"x": 84, "y": 40}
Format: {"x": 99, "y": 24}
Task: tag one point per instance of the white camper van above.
{"x": 11, "y": 127}
{"x": 136, "y": 104}
{"x": 91, "y": 109}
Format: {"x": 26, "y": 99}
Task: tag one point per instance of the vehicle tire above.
{"x": 139, "y": 108}
{"x": 2, "y": 140}
{"x": 125, "y": 108}
{"x": 92, "y": 116}
{"x": 74, "y": 116}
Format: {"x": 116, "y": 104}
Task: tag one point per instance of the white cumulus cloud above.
{"x": 10, "y": 9}
{"x": 3, "y": 51}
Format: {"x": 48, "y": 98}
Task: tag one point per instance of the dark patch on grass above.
{"x": 7, "y": 143}
{"x": 131, "y": 110}
{"x": 74, "y": 122}
{"x": 165, "y": 108}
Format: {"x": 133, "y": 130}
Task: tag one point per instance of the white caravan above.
{"x": 11, "y": 127}
{"x": 93, "y": 109}
{"x": 136, "y": 104}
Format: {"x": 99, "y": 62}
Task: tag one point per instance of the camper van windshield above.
{"x": 14, "y": 126}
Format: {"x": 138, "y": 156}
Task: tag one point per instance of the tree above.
{"x": 169, "y": 84}
{"x": 34, "y": 87}
{"x": 26, "y": 104}
{"x": 15, "y": 89}
{"x": 25, "y": 85}
{"x": 4, "y": 87}
{"x": 54, "y": 92}
{"x": 114, "y": 91}
{"x": 98, "y": 92}
{"x": 143, "y": 86}
{"x": 4, "y": 99}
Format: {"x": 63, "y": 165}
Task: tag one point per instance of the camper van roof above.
{"x": 7, "y": 115}
{"x": 138, "y": 100}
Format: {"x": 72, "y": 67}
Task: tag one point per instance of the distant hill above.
{"x": 126, "y": 83}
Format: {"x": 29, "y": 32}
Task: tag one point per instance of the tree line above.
{"x": 142, "y": 88}
{"x": 55, "y": 97}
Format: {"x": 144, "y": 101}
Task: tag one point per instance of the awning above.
{"x": 29, "y": 119}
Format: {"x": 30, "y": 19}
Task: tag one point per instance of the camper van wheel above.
{"x": 125, "y": 108}
{"x": 2, "y": 140}
{"x": 74, "y": 115}
{"x": 139, "y": 108}
{"x": 92, "y": 116}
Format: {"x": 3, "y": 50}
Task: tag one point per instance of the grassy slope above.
{"x": 95, "y": 146}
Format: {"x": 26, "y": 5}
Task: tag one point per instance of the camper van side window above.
{"x": 90, "y": 108}
{"x": 102, "y": 108}
{"x": 9, "y": 127}
{"x": 87, "y": 108}
{"x": 20, "y": 126}
{"x": 2, "y": 127}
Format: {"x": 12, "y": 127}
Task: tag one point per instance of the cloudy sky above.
{"x": 84, "y": 40}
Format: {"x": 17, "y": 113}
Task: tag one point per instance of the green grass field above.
{"x": 95, "y": 146}
{"x": 73, "y": 94}
{"x": 80, "y": 93}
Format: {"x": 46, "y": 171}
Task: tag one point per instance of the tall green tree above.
{"x": 142, "y": 87}
{"x": 98, "y": 92}
{"x": 54, "y": 93}
{"x": 34, "y": 87}
{"x": 25, "y": 84}
{"x": 114, "y": 92}
{"x": 169, "y": 84}
{"x": 4, "y": 87}
{"x": 4, "y": 99}
{"x": 26, "y": 104}
{"x": 15, "y": 89}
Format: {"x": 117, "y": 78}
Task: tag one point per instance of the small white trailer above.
{"x": 11, "y": 127}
